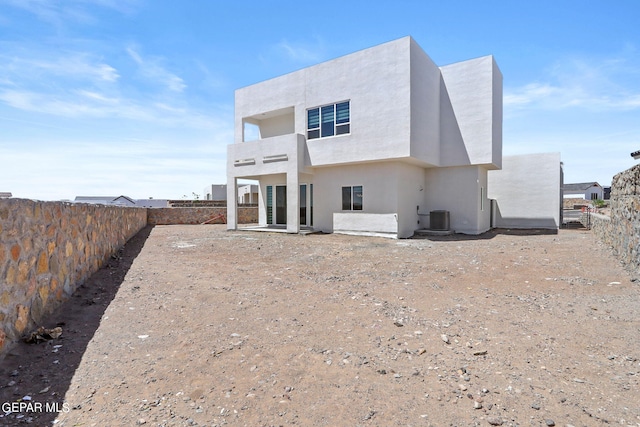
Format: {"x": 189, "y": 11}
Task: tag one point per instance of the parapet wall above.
{"x": 622, "y": 230}
{"x": 48, "y": 249}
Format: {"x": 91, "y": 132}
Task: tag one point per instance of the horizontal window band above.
{"x": 275, "y": 158}
{"x": 244, "y": 162}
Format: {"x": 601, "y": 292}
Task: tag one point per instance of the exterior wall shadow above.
{"x": 79, "y": 317}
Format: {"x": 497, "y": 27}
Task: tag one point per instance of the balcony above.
{"x": 278, "y": 154}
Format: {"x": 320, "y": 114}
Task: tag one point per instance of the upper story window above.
{"x": 328, "y": 120}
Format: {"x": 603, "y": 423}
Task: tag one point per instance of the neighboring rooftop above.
{"x": 5, "y": 195}
{"x": 579, "y": 187}
{"x": 122, "y": 201}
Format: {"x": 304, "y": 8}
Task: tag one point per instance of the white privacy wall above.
{"x": 527, "y": 191}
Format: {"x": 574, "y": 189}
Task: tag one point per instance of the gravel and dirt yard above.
{"x": 195, "y": 325}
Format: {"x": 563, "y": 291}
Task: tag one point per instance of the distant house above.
{"x": 216, "y": 192}
{"x": 152, "y": 203}
{"x": 247, "y": 193}
{"x": 95, "y": 200}
{"x": 122, "y": 201}
{"x": 5, "y": 195}
{"x": 583, "y": 190}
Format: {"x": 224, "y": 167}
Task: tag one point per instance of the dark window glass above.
{"x": 313, "y": 123}
{"x": 269, "y": 204}
{"x": 357, "y": 198}
{"x": 342, "y": 129}
{"x": 313, "y": 118}
{"x": 329, "y": 120}
{"x": 303, "y": 204}
{"x": 346, "y": 198}
{"x": 342, "y": 112}
{"x": 328, "y": 124}
{"x": 311, "y": 203}
{"x": 281, "y": 204}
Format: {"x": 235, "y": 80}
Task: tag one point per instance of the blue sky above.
{"x": 135, "y": 97}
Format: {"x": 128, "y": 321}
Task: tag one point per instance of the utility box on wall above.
{"x": 439, "y": 220}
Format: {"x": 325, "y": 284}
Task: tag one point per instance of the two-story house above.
{"x": 370, "y": 142}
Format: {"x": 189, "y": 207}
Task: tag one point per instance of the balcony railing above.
{"x": 279, "y": 154}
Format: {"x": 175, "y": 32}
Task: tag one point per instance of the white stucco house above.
{"x": 371, "y": 142}
{"x": 247, "y": 193}
{"x": 585, "y": 190}
{"x": 215, "y": 192}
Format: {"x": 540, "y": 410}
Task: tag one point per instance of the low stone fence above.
{"x": 197, "y": 203}
{"x": 621, "y": 231}
{"x": 600, "y": 225}
{"x": 47, "y": 249}
{"x": 199, "y": 215}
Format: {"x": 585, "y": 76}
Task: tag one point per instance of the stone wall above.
{"x": 197, "y": 203}
{"x": 622, "y": 230}
{"x": 199, "y": 215}
{"x": 47, "y": 249}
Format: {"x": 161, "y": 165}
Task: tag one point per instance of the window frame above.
{"x": 352, "y": 197}
{"x": 326, "y": 121}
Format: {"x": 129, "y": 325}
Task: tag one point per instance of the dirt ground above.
{"x": 195, "y": 325}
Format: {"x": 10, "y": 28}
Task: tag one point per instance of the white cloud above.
{"x": 593, "y": 84}
{"x": 98, "y": 97}
{"x": 528, "y": 94}
{"x": 83, "y": 85}
{"x": 38, "y": 67}
{"x": 300, "y": 52}
{"x": 18, "y": 99}
{"x": 90, "y": 104}
{"x": 297, "y": 52}
{"x": 87, "y": 104}
{"x": 125, "y": 7}
{"x": 211, "y": 81}
{"x": 61, "y": 13}
{"x": 151, "y": 69}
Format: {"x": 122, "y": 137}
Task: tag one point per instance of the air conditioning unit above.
{"x": 439, "y": 220}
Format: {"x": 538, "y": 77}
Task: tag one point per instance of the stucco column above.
{"x": 293, "y": 202}
{"x": 232, "y": 203}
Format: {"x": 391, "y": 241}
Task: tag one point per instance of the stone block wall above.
{"x": 47, "y": 249}
{"x": 622, "y": 231}
{"x": 199, "y": 215}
